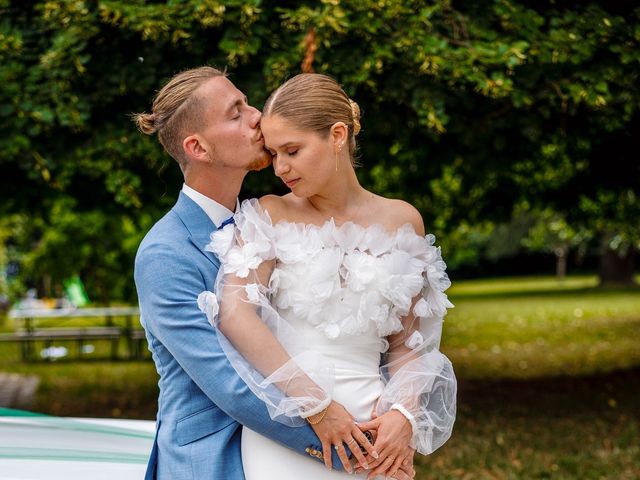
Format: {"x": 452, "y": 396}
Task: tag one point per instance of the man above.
{"x": 204, "y": 122}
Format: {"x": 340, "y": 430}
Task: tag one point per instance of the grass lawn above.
{"x": 549, "y": 379}
{"x": 539, "y": 327}
{"x": 573, "y": 428}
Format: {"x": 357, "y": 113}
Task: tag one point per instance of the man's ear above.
{"x": 194, "y": 148}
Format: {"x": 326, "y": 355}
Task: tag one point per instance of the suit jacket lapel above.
{"x": 198, "y": 224}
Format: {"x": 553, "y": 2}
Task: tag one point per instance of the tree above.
{"x": 469, "y": 109}
{"x": 552, "y": 233}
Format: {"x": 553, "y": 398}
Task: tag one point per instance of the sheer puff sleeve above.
{"x": 293, "y": 382}
{"x": 347, "y": 282}
{"x": 420, "y": 382}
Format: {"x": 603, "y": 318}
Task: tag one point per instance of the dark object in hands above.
{"x": 371, "y": 438}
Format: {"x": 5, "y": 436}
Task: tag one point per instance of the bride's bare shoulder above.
{"x": 396, "y": 213}
{"x": 278, "y": 207}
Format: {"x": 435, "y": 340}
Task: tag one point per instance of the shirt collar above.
{"x": 216, "y": 212}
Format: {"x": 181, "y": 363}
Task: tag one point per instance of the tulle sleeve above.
{"x": 349, "y": 283}
{"x": 293, "y": 382}
{"x": 419, "y": 379}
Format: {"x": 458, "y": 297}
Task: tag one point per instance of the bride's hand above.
{"x": 393, "y": 435}
{"x": 406, "y": 471}
{"x": 337, "y": 429}
{"x": 402, "y": 468}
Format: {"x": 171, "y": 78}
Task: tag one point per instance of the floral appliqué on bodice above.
{"x": 343, "y": 279}
{"x": 333, "y": 297}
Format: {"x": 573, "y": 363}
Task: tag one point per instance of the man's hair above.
{"x": 176, "y": 109}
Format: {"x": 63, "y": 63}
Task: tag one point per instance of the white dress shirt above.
{"x": 216, "y": 212}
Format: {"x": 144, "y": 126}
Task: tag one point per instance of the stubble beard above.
{"x": 260, "y": 162}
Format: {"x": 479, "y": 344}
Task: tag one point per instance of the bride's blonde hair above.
{"x": 315, "y": 102}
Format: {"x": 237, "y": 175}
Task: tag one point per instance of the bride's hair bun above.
{"x": 146, "y": 123}
{"x": 355, "y": 114}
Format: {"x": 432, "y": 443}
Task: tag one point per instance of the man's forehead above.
{"x": 222, "y": 91}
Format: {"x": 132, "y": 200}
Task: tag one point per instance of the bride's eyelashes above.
{"x": 290, "y": 153}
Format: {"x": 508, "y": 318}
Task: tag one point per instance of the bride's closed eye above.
{"x": 290, "y": 153}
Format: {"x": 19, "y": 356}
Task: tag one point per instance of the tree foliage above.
{"x": 469, "y": 109}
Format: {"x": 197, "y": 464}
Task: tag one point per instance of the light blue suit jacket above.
{"x": 202, "y": 401}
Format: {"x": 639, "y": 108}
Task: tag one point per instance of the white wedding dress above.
{"x": 334, "y": 297}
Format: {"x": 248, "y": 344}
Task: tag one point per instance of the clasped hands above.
{"x": 389, "y": 455}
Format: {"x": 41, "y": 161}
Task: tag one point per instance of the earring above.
{"x": 339, "y": 149}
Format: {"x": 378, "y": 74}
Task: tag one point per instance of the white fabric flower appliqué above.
{"x": 221, "y": 241}
{"x": 208, "y": 304}
{"x": 415, "y": 340}
{"x": 343, "y": 280}
{"x": 242, "y": 259}
{"x": 253, "y": 292}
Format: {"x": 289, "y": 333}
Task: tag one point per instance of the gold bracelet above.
{"x": 322, "y": 414}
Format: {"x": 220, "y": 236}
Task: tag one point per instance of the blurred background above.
{"x": 513, "y": 126}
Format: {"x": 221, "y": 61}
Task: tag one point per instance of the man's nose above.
{"x": 254, "y": 116}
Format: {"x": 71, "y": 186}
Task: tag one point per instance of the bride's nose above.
{"x": 280, "y": 167}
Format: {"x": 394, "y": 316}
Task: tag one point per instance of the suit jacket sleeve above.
{"x": 168, "y": 284}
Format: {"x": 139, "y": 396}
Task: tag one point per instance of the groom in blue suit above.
{"x": 205, "y": 123}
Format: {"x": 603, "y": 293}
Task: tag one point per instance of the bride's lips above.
{"x": 291, "y": 183}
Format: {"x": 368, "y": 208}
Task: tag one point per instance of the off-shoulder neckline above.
{"x": 330, "y": 222}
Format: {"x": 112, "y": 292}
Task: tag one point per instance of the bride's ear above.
{"x": 339, "y": 134}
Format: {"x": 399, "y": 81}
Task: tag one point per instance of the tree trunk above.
{"x": 616, "y": 269}
{"x": 561, "y": 262}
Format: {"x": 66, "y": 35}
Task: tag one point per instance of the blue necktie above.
{"x": 226, "y": 222}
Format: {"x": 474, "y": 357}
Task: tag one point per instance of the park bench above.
{"x": 33, "y": 333}
{"x": 137, "y": 343}
{"x": 47, "y": 336}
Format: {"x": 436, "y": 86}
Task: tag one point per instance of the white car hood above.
{"x": 36, "y": 446}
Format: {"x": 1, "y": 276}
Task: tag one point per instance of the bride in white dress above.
{"x": 332, "y": 301}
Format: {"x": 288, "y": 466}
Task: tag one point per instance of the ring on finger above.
{"x": 337, "y": 447}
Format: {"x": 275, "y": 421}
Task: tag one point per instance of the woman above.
{"x": 322, "y": 286}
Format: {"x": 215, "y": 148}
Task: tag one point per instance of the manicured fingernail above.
{"x": 366, "y": 466}
{"x": 375, "y": 455}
